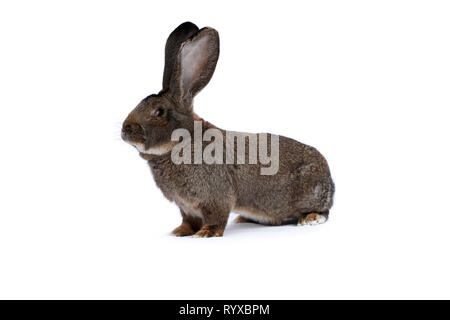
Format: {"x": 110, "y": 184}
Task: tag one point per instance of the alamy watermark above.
{"x": 213, "y": 153}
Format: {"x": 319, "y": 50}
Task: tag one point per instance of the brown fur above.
{"x": 206, "y": 194}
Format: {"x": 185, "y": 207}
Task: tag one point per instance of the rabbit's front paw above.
{"x": 209, "y": 231}
{"x": 312, "y": 219}
{"x": 183, "y": 230}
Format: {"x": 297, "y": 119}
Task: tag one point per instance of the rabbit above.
{"x": 300, "y": 192}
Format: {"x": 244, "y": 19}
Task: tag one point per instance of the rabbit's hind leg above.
{"x": 248, "y": 215}
{"x": 241, "y": 219}
{"x": 313, "y": 218}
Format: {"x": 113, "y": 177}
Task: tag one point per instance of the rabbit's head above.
{"x": 191, "y": 57}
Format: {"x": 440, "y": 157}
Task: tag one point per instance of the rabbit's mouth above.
{"x": 133, "y": 133}
{"x": 137, "y": 139}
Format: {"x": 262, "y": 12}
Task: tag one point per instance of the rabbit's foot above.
{"x": 185, "y": 229}
{"x": 312, "y": 219}
{"x": 209, "y": 231}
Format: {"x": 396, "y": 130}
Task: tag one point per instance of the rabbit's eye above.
{"x": 158, "y": 112}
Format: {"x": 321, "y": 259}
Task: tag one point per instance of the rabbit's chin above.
{"x": 158, "y": 150}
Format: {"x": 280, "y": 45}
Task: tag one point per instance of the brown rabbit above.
{"x": 301, "y": 191}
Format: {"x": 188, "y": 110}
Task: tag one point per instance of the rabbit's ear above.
{"x": 196, "y": 63}
{"x": 183, "y": 32}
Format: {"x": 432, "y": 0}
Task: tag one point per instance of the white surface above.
{"x": 367, "y": 83}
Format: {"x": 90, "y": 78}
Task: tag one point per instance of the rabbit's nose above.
{"x": 132, "y": 130}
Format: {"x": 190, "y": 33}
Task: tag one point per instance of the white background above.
{"x": 365, "y": 82}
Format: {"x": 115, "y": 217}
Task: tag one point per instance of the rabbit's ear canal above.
{"x": 183, "y": 32}
{"x": 196, "y": 63}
